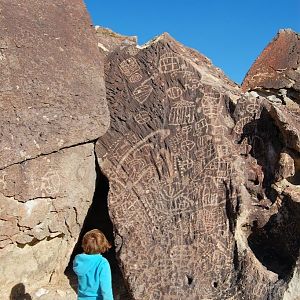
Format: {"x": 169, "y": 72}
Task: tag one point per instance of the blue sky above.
{"x": 231, "y": 33}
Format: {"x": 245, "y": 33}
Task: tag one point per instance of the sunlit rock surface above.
{"x": 190, "y": 160}
{"x": 53, "y": 107}
{"x": 51, "y": 87}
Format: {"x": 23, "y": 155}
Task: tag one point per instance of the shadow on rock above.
{"x": 18, "y": 292}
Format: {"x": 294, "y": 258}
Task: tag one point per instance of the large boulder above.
{"x": 278, "y": 66}
{"x": 52, "y": 90}
{"x": 186, "y": 192}
{"x": 275, "y": 143}
{"x": 43, "y": 203}
{"x": 53, "y": 107}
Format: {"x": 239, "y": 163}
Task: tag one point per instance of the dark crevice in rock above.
{"x": 230, "y": 105}
{"x": 189, "y": 279}
{"x": 35, "y": 241}
{"x": 98, "y": 218}
{"x": 266, "y": 142}
{"x": 46, "y": 154}
{"x": 276, "y": 245}
{"x": 231, "y": 207}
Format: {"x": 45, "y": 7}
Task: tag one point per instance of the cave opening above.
{"x": 98, "y": 218}
{"x": 266, "y": 143}
{"x": 277, "y": 244}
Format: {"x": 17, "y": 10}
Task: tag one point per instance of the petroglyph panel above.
{"x": 172, "y": 168}
{"x": 142, "y": 92}
{"x": 129, "y": 66}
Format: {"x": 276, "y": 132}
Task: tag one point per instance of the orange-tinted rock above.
{"x": 278, "y": 66}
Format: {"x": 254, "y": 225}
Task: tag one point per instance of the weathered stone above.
{"x": 32, "y": 265}
{"x": 43, "y": 203}
{"x": 288, "y": 121}
{"x": 274, "y": 137}
{"x": 204, "y": 180}
{"x": 286, "y": 167}
{"x": 278, "y": 66}
{"x": 109, "y": 41}
{"x": 181, "y": 200}
{"x": 51, "y": 87}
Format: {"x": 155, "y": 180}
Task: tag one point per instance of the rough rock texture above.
{"x": 278, "y": 66}
{"x": 43, "y": 203}
{"x": 275, "y": 143}
{"x": 203, "y": 179}
{"x": 190, "y": 183}
{"x": 53, "y": 107}
{"x": 51, "y": 87}
{"x": 109, "y": 41}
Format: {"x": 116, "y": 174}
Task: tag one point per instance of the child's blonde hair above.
{"x": 94, "y": 241}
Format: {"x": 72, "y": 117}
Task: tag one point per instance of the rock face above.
{"x": 275, "y": 74}
{"x": 203, "y": 179}
{"x": 278, "y": 66}
{"x": 191, "y": 165}
{"x": 52, "y": 89}
{"x": 109, "y": 41}
{"x": 53, "y": 107}
{"x": 42, "y": 210}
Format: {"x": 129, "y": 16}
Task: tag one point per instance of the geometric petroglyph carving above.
{"x": 169, "y": 63}
{"x": 143, "y": 117}
{"x": 136, "y": 77}
{"x": 174, "y": 92}
{"x": 210, "y": 104}
{"x": 173, "y": 169}
{"x": 132, "y": 50}
{"x": 182, "y": 112}
{"x": 129, "y": 66}
{"x": 142, "y": 92}
{"x": 50, "y": 182}
{"x": 239, "y": 126}
{"x": 192, "y": 82}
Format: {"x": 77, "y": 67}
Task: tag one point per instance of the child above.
{"x": 92, "y": 269}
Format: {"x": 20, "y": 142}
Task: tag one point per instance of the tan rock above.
{"x": 286, "y": 166}
{"x": 42, "y": 219}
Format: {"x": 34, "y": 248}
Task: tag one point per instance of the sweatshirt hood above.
{"x": 85, "y": 262}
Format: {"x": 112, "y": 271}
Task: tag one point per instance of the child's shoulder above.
{"x": 104, "y": 260}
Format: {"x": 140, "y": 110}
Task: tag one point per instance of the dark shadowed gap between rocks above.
{"x": 267, "y": 143}
{"x": 277, "y": 244}
{"x": 98, "y": 218}
{"x": 18, "y": 292}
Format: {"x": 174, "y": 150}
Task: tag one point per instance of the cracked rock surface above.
{"x": 275, "y": 135}
{"x": 192, "y": 163}
{"x": 51, "y": 87}
{"x": 53, "y": 107}
{"x": 203, "y": 176}
{"x": 43, "y": 203}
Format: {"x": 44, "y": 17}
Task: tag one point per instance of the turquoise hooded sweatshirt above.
{"x": 94, "y": 277}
